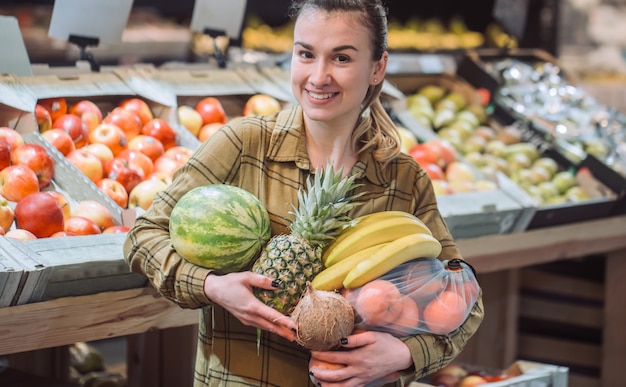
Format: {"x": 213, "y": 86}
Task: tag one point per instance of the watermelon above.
{"x": 220, "y": 227}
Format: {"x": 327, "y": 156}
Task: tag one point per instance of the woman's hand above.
{"x": 233, "y": 292}
{"x": 370, "y": 358}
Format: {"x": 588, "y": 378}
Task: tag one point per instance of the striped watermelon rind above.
{"x": 220, "y": 227}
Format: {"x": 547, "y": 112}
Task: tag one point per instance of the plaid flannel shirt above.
{"x": 267, "y": 156}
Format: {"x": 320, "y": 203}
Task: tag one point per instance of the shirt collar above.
{"x": 288, "y": 144}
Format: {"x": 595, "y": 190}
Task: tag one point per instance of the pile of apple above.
{"x": 207, "y": 115}
{"x": 30, "y": 207}
{"x": 454, "y": 375}
{"x": 127, "y": 152}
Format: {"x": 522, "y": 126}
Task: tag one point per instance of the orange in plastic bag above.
{"x": 424, "y": 295}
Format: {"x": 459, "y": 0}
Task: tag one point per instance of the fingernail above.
{"x": 311, "y": 373}
{"x": 344, "y": 341}
{"x": 277, "y": 283}
{"x": 294, "y": 330}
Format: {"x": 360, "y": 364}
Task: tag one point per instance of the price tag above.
{"x": 219, "y": 16}
{"x": 17, "y": 62}
{"x": 95, "y": 19}
{"x": 430, "y": 64}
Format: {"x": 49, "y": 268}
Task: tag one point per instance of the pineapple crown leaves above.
{"x": 322, "y": 209}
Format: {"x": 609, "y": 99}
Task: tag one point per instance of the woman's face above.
{"x": 331, "y": 66}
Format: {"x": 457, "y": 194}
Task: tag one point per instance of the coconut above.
{"x": 322, "y": 318}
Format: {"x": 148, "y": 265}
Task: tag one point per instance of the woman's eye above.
{"x": 342, "y": 58}
{"x": 305, "y": 55}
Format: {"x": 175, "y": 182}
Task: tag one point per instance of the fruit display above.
{"x": 539, "y": 91}
{"x": 32, "y": 204}
{"x": 415, "y": 34}
{"x": 108, "y": 141}
{"x": 227, "y": 234}
{"x": 490, "y": 148}
{"x": 455, "y": 375}
{"x": 296, "y": 258}
{"x": 208, "y": 115}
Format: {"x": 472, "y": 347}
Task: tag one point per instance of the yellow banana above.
{"x": 373, "y": 233}
{"x": 360, "y": 222}
{"x": 331, "y": 278}
{"x": 393, "y": 254}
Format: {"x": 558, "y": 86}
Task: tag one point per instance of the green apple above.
{"x": 547, "y": 190}
{"x": 548, "y": 164}
{"x": 563, "y": 181}
{"x": 576, "y": 194}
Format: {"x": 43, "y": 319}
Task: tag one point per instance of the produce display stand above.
{"x": 142, "y": 313}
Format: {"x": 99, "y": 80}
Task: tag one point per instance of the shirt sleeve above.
{"x": 148, "y": 249}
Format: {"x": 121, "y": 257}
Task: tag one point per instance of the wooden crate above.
{"x": 561, "y": 317}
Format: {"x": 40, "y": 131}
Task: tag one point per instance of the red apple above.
{"x": 12, "y": 136}
{"x": 101, "y": 151}
{"x": 95, "y": 211}
{"x": 40, "y": 214}
{"x": 208, "y": 130}
{"x": 160, "y": 175}
{"x": 79, "y": 225}
{"x": 56, "y": 106}
{"x": 62, "y": 234}
{"x": 458, "y": 171}
{"x": 89, "y": 112}
{"x": 434, "y": 171}
{"x": 120, "y": 170}
{"x": 114, "y": 190}
{"x": 261, "y": 104}
{"x": 138, "y": 159}
{"x": 76, "y": 128}
{"x": 20, "y": 235}
{"x": 147, "y": 145}
{"x": 111, "y": 136}
{"x": 211, "y": 110}
{"x": 179, "y": 153}
{"x": 17, "y": 182}
{"x": 116, "y": 229}
{"x": 139, "y": 107}
{"x": 168, "y": 165}
{"x": 162, "y": 131}
{"x": 190, "y": 119}
{"x": 60, "y": 139}
{"x": 63, "y": 203}
{"x": 5, "y": 153}
{"x": 42, "y": 115}
{"x": 87, "y": 163}
{"x": 127, "y": 120}
{"x": 36, "y": 158}
{"x": 7, "y": 215}
{"x": 472, "y": 381}
{"x": 142, "y": 195}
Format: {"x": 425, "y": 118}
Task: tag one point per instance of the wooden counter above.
{"x": 136, "y": 311}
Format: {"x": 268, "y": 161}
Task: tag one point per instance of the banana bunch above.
{"x": 373, "y": 245}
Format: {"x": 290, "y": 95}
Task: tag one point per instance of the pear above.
{"x": 432, "y": 92}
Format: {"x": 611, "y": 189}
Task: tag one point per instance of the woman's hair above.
{"x": 375, "y": 129}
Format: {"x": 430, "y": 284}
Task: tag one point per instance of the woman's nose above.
{"x": 320, "y": 74}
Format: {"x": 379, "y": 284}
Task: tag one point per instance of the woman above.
{"x": 338, "y": 66}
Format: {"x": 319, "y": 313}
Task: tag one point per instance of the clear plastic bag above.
{"x": 424, "y": 295}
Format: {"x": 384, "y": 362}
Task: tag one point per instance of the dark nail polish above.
{"x": 311, "y": 373}
{"x": 344, "y": 341}
{"x": 294, "y": 330}
{"x": 277, "y": 283}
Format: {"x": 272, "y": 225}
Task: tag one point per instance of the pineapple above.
{"x": 295, "y": 258}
